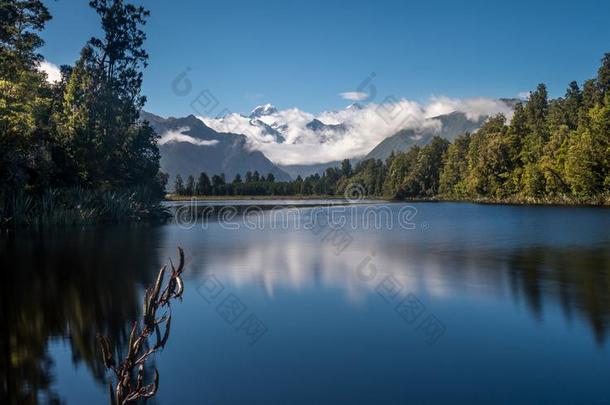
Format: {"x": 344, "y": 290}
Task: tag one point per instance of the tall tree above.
{"x": 179, "y": 185}
{"x": 99, "y": 119}
{"x": 24, "y": 95}
{"x": 189, "y": 189}
{"x": 204, "y": 186}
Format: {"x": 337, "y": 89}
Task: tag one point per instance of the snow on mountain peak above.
{"x": 262, "y": 110}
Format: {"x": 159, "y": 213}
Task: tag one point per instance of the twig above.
{"x": 129, "y": 386}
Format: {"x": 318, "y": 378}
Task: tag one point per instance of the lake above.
{"x": 372, "y": 303}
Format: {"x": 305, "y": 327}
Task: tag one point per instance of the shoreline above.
{"x": 558, "y": 202}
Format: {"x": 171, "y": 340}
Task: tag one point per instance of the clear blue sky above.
{"x": 302, "y": 54}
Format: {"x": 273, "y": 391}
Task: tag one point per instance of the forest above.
{"x": 551, "y": 151}
{"x": 74, "y": 150}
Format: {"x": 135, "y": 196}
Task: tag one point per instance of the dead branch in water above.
{"x": 130, "y": 372}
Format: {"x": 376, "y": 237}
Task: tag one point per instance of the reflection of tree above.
{"x": 578, "y": 277}
{"x": 68, "y": 285}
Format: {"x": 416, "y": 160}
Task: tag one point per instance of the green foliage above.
{"x": 455, "y": 169}
{"x": 79, "y": 206}
{"x": 83, "y": 131}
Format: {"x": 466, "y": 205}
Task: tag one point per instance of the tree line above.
{"x": 83, "y": 130}
{"x": 552, "y": 150}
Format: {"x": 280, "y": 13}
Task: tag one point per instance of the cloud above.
{"x": 179, "y": 136}
{"x": 474, "y": 108}
{"x": 361, "y": 129}
{"x": 524, "y": 95}
{"x": 52, "y": 71}
{"x": 354, "y": 95}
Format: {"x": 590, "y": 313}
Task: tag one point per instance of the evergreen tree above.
{"x": 346, "y": 168}
{"x": 189, "y": 189}
{"x": 179, "y": 185}
{"x": 204, "y": 186}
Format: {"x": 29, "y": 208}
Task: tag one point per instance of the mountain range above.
{"x": 240, "y": 143}
{"x": 189, "y": 147}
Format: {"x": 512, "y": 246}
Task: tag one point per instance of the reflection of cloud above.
{"x": 260, "y": 258}
{"x": 360, "y": 131}
{"x": 454, "y": 260}
{"x": 180, "y": 136}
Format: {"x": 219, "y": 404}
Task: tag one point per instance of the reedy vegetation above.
{"x": 129, "y": 372}
{"x": 79, "y": 137}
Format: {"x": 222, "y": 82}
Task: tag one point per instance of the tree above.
{"x": 603, "y": 76}
{"x": 346, "y": 168}
{"x": 99, "y": 120}
{"x": 203, "y": 187}
{"x": 25, "y": 98}
{"x": 20, "y": 20}
{"x": 179, "y": 185}
{"x": 237, "y": 179}
{"x": 270, "y": 178}
{"x": 455, "y": 169}
{"x": 399, "y": 181}
{"x": 190, "y": 185}
{"x": 218, "y": 184}
{"x": 588, "y": 157}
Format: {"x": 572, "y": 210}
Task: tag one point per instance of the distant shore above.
{"x": 600, "y": 202}
{"x": 175, "y": 197}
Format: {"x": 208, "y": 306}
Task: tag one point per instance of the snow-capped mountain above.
{"x": 296, "y": 137}
{"x": 262, "y": 110}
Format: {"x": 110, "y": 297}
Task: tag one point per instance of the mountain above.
{"x": 267, "y": 129}
{"x": 263, "y": 110}
{"x": 189, "y": 147}
{"x": 318, "y": 126}
{"x": 308, "y": 170}
{"x": 453, "y": 124}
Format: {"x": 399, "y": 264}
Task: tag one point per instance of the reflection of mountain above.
{"x": 574, "y": 277}
{"x": 69, "y": 285}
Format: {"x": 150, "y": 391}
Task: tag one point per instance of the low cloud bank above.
{"x": 286, "y": 138}
{"x": 180, "y": 136}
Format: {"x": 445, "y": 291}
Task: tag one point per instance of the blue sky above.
{"x": 303, "y": 54}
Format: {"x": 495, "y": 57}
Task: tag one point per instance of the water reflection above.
{"x": 538, "y": 268}
{"x": 70, "y": 284}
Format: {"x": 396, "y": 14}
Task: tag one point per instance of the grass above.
{"x": 78, "y": 206}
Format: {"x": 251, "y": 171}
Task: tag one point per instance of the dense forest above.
{"x": 74, "y": 150}
{"x": 551, "y": 151}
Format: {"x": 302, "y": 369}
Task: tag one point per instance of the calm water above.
{"x": 502, "y": 304}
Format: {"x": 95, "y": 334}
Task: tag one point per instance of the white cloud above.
{"x": 52, "y": 71}
{"x": 474, "y": 108}
{"x": 179, "y": 136}
{"x": 524, "y": 95}
{"x": 362, "y": 129}
{"x": 354, "y": 95}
